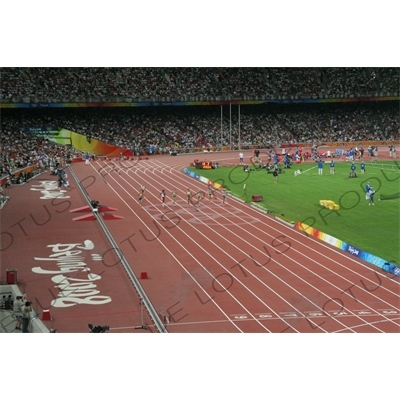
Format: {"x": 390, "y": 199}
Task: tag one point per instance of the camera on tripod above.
{"x": 98, "y": 328}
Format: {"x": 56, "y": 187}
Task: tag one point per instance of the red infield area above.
{"x": 205, "y": 267}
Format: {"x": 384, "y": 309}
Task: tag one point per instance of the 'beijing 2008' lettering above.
{"x": 69, "y": 258}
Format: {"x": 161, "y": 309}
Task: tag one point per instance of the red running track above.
{"x": 215, "y": 268}
{"x": 232, "y": 269}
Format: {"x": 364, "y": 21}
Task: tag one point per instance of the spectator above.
{"x": 17, "y": 311}
{"x": 8, "y": 304}
{"x": 183, "y": 84}
{"x": 26, "y": 316}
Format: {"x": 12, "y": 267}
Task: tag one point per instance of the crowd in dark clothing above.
{"x": 166, "y": 129}
{"x": 193, "y": 84}
{"x": 182, "y": 128}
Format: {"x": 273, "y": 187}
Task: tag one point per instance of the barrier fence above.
{"x": 183, "y": 150}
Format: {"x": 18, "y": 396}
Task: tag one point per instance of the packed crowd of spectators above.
{"x": 20, "y": 150}
{"x": 166, "y": 129}
{"x": 193, "y": 84}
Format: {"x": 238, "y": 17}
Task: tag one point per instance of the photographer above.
{"x": 26, "y": 316}
{"x": 98, "y": 328}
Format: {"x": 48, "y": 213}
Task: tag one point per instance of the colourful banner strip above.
{"x": 91, "y": 146}
{"x": 193, "y": 103}
{"x": 192, "y": 174}
{"x": 354, "y": 251}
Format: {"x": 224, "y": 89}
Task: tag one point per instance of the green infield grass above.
{"x": 375, "y": 229}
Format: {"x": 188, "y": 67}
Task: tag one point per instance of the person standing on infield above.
{"x": 275, "y": 174}
{"x": 371, "y": 195}
{"x": 320, "y": 166}
{"x": 367, "y": 187}
{"x": 332, "y": 167}
{"x": 353, "y": 170}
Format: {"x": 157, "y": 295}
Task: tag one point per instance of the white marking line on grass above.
{"x": 309, "y": 169}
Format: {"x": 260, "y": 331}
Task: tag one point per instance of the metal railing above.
{"x": 143, "y": 296}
